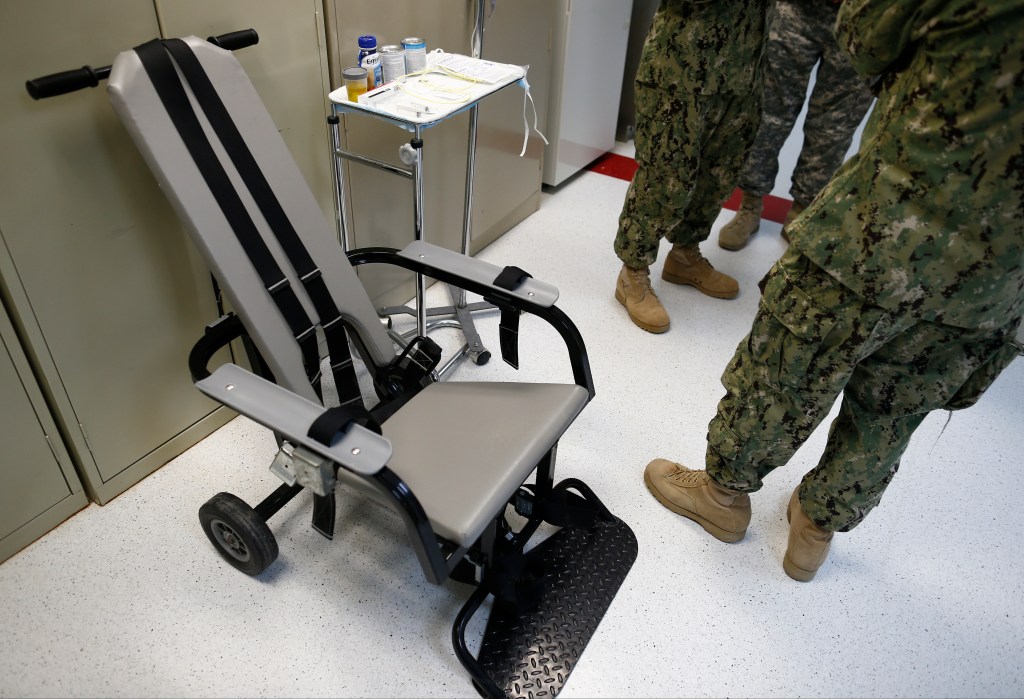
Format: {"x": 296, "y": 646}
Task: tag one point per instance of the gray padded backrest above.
{"x": 139, "y": 107}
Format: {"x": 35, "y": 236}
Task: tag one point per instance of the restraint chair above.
{"x": 300, "y": 309}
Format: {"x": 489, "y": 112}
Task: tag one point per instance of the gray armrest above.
{"x": 357, "y": 449}
{"x": 481, "y": 272}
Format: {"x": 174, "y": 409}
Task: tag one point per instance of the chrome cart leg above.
{"x": 463, "y": 311}
{"x": 340, "y": 207}
{"x": 417, "y": 211}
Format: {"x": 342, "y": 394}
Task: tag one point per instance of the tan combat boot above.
{"x": 723, "y": 513}
{"x": 633, "y": 290}
{"x": 808, "y": 543}
{"x": 686, "y": 265}
{"x": 793, "y": 212}
{"x": 735, "y": 234}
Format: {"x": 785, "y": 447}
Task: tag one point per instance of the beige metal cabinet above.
{"x": 507, "y": 186}
{"x": 105, "y": 289}
{"x": 38, "y": 485}
{"x": 288, "y": 68}
{"x": 102, "y": 286}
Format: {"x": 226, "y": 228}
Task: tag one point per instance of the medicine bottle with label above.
{"x": 369, "y": 58}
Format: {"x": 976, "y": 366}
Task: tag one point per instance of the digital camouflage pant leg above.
{"x": 689, "y": 148}
{"x": 813, "y": 339}
{"x": 800, "y": 35}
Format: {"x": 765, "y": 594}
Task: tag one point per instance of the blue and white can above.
{"x": 415, "y": 53}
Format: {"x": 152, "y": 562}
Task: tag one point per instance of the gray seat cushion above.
{"x": 464, "y": 447}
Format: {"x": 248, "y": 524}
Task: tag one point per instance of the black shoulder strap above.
{"x": 254, "y": 179}
{"x": 161, "y": 73}
{"x": 161, "y": 70}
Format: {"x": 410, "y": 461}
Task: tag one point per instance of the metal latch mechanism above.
{"x": 309, "y": 469}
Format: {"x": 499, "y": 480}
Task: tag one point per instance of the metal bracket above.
{"x": 310, "y": 470}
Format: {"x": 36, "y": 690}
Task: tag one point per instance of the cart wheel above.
{"x": 482, "y": 358}
{"x": 240, "y": 535}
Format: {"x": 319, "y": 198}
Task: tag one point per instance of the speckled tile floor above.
{"x": 924, "y": 599}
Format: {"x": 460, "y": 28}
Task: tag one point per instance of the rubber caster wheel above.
{"x": 238, "y": 533}
{"x": 482, "y": 358}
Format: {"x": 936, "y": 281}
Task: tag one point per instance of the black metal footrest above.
{"x": 530, "y": 652}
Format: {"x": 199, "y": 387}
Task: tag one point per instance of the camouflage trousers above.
{"x": 813, "y": 339}
{"x": 689, "y": 148}
{"x": 800, "y": 36}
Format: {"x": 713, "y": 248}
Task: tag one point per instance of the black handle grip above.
{"x": 86, "y": 76}
{"x": 67, "y": 81}
{"x": 219, "y": 334}
{"x": 232, "y": 41}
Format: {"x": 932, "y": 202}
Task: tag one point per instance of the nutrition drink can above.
{"x": 392, "y": 62}
{"x": 415, "y": 53}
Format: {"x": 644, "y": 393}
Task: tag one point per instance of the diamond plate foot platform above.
{"x": 530, "y": 652}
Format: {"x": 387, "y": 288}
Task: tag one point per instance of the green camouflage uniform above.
{"x": 698, "y": 95}
{"x": 904, "y": 282}
{"x": 800, "y": 38}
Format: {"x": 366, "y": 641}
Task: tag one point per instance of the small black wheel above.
{"x": 239, "y": 534}
{"x": 482, "y": 358}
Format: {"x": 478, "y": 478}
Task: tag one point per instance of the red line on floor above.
{"x": 623, "y": 168}
{"x": 614, "y": 165}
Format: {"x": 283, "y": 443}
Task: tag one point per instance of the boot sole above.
{"x": 685, "y": 281}
{"x": 712, "y": 529}
{"x": 795, "y": 572}
{"x": 621, "y": 298}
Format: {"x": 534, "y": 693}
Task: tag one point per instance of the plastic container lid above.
{"x": 354, "y": 73}
{"x": 367, "y": 41}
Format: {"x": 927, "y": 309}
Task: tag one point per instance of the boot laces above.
{"x": 641, "y": 279}
{"x": 685, "y": 477}
{"x": 695, "y": 257}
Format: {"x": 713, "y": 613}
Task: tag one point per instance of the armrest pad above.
{"x": 357, "y": 449}
{"x": 481, "y": 272}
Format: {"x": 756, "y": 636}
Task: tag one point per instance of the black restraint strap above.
{"x": 561, "y": 509}
{"x": 224, "y": 126}
{"x": 332, "y": 420}
{"x": 511, "y": 277}
{"x": 518, "y": 579}
{"x": 508, "y": 327}
{"x": 161, "y": 73}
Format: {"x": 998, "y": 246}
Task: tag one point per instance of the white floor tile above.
{"x": 924, "y": 599}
